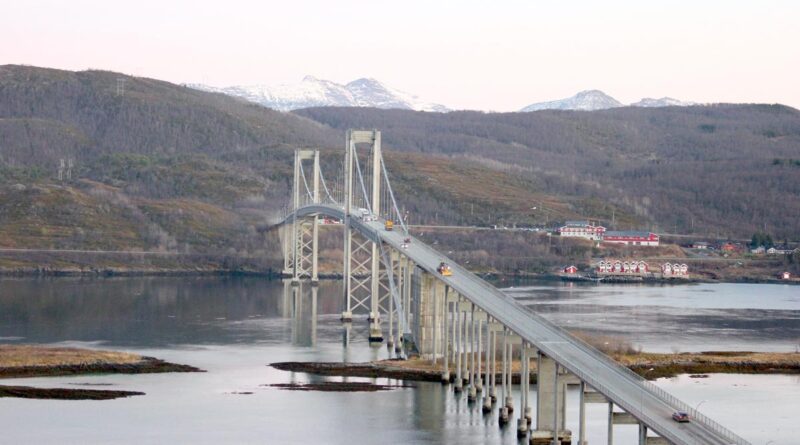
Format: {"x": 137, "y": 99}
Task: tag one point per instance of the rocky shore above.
{"x": 19, "y": 361}
{"x": 649, "y": 365}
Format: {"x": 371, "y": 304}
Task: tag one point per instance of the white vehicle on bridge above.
{"x": 366, "y": 215}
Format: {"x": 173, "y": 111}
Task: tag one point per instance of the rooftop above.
{"x": 632, "y": 233}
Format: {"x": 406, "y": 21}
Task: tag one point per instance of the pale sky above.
{"x": 489, "y": 55}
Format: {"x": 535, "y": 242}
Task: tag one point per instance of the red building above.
{"x": 582, "y": 229}
{"x": 571, "y": 270}
{"x": 631, "y": 238}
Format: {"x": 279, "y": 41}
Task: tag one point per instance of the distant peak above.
{"x": 316, "y": 92}
{"x": 649, "y": 102}
{"x": 365, "y": 81}
{"x": 591, "y": 93}
{"x": 586, "y": 100}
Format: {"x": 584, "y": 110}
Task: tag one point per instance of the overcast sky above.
{"x": 490, "y": 55}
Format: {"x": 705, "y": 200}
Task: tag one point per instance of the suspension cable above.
{"x": 394, "y": 201}
{"x": 325, "y": 187}
{"x": 361, "y": 180}
{"x": 308, "y": 190}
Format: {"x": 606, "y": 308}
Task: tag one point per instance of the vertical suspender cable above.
{"x": 361, "y": 180}
{"x": 394, "y": 201}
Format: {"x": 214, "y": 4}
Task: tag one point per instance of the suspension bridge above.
{"x": 461, "y": 322}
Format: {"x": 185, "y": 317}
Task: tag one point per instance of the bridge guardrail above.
{"x": 666, "y": 397}
{"x": 671, "y": 400}
{"x": 652, "y": 389}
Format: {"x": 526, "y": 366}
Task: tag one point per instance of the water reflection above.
{"x": 162, "y": 311}
{"x": 234, "y": 326}
{"x": 676, "y": 317}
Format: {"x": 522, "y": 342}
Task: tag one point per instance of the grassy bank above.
{"x": 39, "y": 361}
{"x": 649, "y": 365}
{"x": 17, "y": 361}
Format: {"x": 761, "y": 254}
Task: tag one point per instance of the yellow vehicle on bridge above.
{"x": 389, "y": 225}
{"x": 444, "y": 269}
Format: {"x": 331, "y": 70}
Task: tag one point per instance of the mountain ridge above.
{"x": 315, "y": 92}
{"x": 160, "y": 147}
{"x": 595, "y": 100}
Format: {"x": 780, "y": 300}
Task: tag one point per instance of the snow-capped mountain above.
{"x": 588, "y": 100}
{"x": 663, "y": 102}
{"x": 591, "y": 100}
{"x": 313, "y": 92}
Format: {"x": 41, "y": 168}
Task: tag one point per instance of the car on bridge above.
{"x": 405, "y": 243}
{"x": 444, "y": 269}
{"x": 680, "y": 416}
{"x": 366, "y": 215}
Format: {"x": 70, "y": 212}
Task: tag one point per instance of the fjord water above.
{"x": 234, "y": 327}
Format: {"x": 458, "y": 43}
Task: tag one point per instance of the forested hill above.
{"x": 724, "y": 169}
{"x": 48, "y": 114}
{"x": 158, "y": 166}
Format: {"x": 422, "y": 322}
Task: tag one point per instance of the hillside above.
{"x": 161, "y": 167}
{"x": 726, "y": 170}
{"x": 164, "y": 168}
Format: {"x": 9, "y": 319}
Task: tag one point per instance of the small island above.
{"x": 648, "y": 365}
{"x": 17, "y": 361}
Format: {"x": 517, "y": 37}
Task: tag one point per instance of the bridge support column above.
{"x": 315, "y": 252}
{"x": 506, "y": 385}
{"x": 610, "y": 423}
{"x": 375, "y": 294}
{"x": 459, "y": 351}
{"x": 524, "y": 380}
{"x": 472, "y": 394}
{"x": 550, "y": 404}
{"x": 509, "y": 399}
{"x": 436, "y": 296}
{"x": 408, "y": 268}
{"x": 465, "y": 307}
{"x": 556, "y": 425}
{"x": 582, "y": 415}
{"x": 453, "y": 337}
{"x": 315, "y": 222}
{"x": 285, "y": 234}
{"x": 495, "y": 328}
{"x": 390, "y": 303}
{"x": 530, "y": 352}
{"x": 446, "y": 335}
{"x": 642, "y": 434}
{"x": 347, "y": 313}
{"x": 480, "y": 317}
{"x": 375, "y": 332}
{"x": 487, "y": 396}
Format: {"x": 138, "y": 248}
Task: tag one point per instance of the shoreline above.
{"x": 649, "y": 365}
{"x": 270, "y": 274}
{"x": 28, "y": 392}
{"x": 26, "y": 361}
{"x": 148, "y": 365}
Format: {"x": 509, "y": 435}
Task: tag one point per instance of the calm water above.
{"x": 686, "y": 318}
{"x": 234, "y": 327}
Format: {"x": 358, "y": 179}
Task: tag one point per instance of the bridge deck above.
{"x": 642, "y": 399}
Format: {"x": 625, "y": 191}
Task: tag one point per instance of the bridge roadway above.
{"x": 642, "y": 399}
